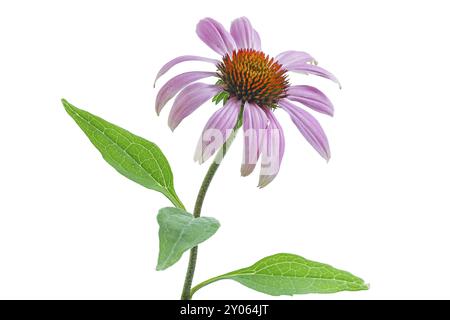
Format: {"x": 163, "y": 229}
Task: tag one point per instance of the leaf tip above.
{"x": 64, "y": 102}
{"x": 160, "y": 268}
{"x": 67, "y": 105}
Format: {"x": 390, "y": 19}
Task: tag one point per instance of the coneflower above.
{"x": 252, "y": 85}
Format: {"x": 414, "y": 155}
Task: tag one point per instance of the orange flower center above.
{"x": 253, "y": 76}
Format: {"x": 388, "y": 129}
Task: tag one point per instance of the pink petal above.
{"x": 174, "y": 85}
{"x": 309, "y": 127}
{"x": 256, "y": 40}
{"x": 312, "y": 69}
{"x": 192, "y": 97}
{"x": 254, "y": 124}
{"x": 244, "y": 35}
{"x": 214, "y": 35}
{"x": 180, "y": 59}
{"x": 311, "y": 97}
{"x": 217, "y": 130}
{"x": 272, "y": 150}
{"x": 287, "y": 58}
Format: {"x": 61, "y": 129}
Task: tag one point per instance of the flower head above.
{"x": 251, "y": 84}
{"x": 253, "y": 76}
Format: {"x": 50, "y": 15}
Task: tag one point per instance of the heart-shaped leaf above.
{"x": 132, "y": 156}
{"x": 289, "y": 274}
{"x": 179, "y": 231}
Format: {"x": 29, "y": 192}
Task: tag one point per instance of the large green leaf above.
{"x": 179, "y": 231}
{"x": 289, "y": 274}
{"x": 132, "y": 156}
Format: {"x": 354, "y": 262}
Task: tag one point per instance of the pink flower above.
{"x": 251, "y": 82}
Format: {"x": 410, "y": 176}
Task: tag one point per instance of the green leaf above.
{"x": 132, "y": 156}
{"x": 179, "y": 231}
{"x": 289, "y": 274}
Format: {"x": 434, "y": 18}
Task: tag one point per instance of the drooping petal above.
{"x": 189, "y": 99}
{"x": 174, "y": 85}
{"x": 312, "y": 69}
{"x": 309, "y": 127}
{"x": 287, "y": 58}
{"x": 311, "y": 97}
{"x": 214, "y": 35}
{"x": 180, "y": 59}
{"x": 217, "y": 130}
{"x": 272, "y": 150}
{"x": 244, "y": 35}
{"x": 254, "y": 123}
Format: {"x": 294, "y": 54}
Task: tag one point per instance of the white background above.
{"x": 71, "y": 227}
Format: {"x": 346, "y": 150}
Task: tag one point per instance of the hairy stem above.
{"x": 186, "y": 294}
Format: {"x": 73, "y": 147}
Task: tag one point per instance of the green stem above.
{"x": 177, "y": 202}
{"x": 205, "y": 283}
{"x": 186, "y": 294}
